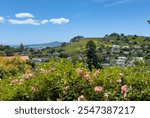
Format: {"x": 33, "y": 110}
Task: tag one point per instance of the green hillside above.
{"x": 76, "y": 46}
{"x": 107, "y": 41}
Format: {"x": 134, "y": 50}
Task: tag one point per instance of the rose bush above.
{"x": 61, "y": 80}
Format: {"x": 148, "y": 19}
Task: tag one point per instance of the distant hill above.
{"x": 40, "y": 46}
{"x": 78, "y": 45}
{"x": 106, "y": 41}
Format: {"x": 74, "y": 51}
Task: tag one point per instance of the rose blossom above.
{"x": 80, "y": 72}
{"x": 98, "y": 89}
{"x": 124, "y": 88}
{"x": 96, "y": 73}
{"x": 27, "y": 76}
{"x": 87, "y": 77}
{"x": 34, "y": 89}
{"x": 119, "y": 80}
{"x": 14, "y": 82}
{"x": 44, "y": 71}
{"x": 81, "y": 98}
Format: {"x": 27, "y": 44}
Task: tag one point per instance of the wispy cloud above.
{"x": 24, "y": 15}
{"x": 117, "y": 2}
{"x": 44, "y": 22}
{"x": 28, "y": 20}
{"x": 22, "y": 22}
{"x": 59, "y": 20}
{"x": 1, "y": 19}
{"x": 109, "y": 3}
{"x": 101, "y": 1}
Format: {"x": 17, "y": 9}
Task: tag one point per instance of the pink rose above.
{"x": 98, "y": 89}
{"x": 87, "y": 77}
{"x": 80, "y": 72}
{"x": 96, "y": 73}
{"x": 81, "y": 98}
{"x": 34, "y": 89}
{"x": 119, "y": 80}
{"x": 13, "y": 82}
{"x": 124, "y": 88}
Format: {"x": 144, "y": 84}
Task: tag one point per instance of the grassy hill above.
{"x": 107, "y": 41}
{"x": 76, "y": 46}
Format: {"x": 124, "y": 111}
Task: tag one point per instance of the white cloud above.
{"x": 59, "y": 20}
{"x": 24, "y": 15}
{"x": 1, "y": 19}
{"x": 22, "y": 22}
{"x": 28, "y": 19}
{"x": 100, "y": 1}
{"x": 44, "y": 22}
{"x": 111, "y": 2}
{"x": 117, "y": 2}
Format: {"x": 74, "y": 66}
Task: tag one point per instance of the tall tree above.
{"x": 76, "y": 38}
{"x": 21, "y": 47}
{"x": 92, "y": 59}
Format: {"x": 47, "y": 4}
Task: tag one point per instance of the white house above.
{"x": 121, "y": 61}
{"x": 115, "y": 49}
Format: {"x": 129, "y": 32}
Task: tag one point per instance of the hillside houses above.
{"x": 115, "y": 49}
{"x": 121, "y": 61}
{"x": 127, "y": 55}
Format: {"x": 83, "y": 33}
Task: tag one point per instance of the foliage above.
{"x": 76, "y": 38}
{"x": 61, "y": 80}
{"x": 92, "y": 59}
{"x": 11, "y": 67}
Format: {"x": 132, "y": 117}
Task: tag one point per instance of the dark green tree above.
{"x": 76, "y": 38}
{"x": 9, "y": 52}
{"x": 21, "y": 47}
{"x": 2, "y": 53}
{"x": 92, "y": 59}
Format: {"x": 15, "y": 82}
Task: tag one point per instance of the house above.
{"x": 131, "y": 63}
{"x": 148, "y": 60}
{"x": 126, "y": 52}
{"x": 115, "y": 49}
{"x": 24, "y": 58}
{"x": 37, "y": 59}
{"x": 125, "y": 47}
{"x": 137, "y": 47}
{"x": 121, "y": 61}
{"x": 106, "y": 64}
{"x": 139, "y": 59}
{"x": 45, "y": 59}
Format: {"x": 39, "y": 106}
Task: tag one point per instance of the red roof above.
{"x": 24, "y": 58}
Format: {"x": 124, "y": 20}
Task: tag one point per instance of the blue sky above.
{"x": 42, "y": 21}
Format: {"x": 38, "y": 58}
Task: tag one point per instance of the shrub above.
{"x": 61, "y": 80}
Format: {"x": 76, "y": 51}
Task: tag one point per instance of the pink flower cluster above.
{"x": 80, "y": 72}
{"x": 13, "y": 82}
{"x": 81, "y": 98}
{"x": 34, "y": 89}
{"x": 124, "y": 90}
{"x": 43, "y": 71}
{"x": 16, "y": 81}
{"x": 120, "y": 78}
{"x": 96, "y": 73}
{"x": 27, "y": 76}
{"x": 98, "y": 89}
{"x": 87, "y": 77}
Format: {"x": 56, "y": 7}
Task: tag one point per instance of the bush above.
{"x": 61, "y": 80}
{"x": 11, "y": 67}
